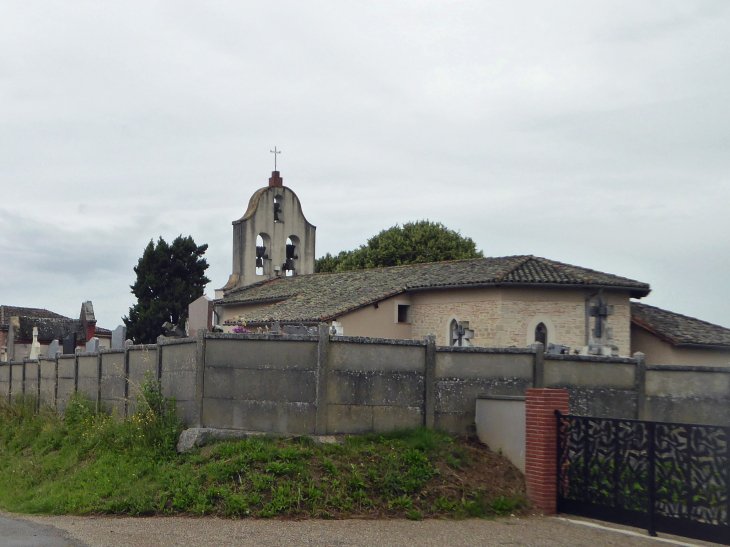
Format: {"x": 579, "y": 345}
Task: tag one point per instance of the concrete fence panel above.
{"x": 31, "y": 376}
{"x": 142, "y": 364}
{"x": 688, "y": 394}
{"x": 88, "y": 371}
{"x": 375, "y": 385}
{"x": 178, "y": 375}
{"x": 17, "y": 379}
{"x": 112, "y": 382}
{"x": 4, "y": 382}
{"x": 464, "y": 373}
{"x": 47, "y": 381}
{"x": 66, "y": 380}
{"x": 260, "y": 384}
{"x": 598, "y": 386}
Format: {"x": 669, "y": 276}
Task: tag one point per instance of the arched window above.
{"x": 292, "y": 256}
{"x": 541, "y": 334}
{"x": 263, "y": 241}
{"x": 454, "y": 334}
{"x": 277, "y": 209}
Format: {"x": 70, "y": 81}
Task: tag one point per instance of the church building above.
{"x": 487, "y": 302}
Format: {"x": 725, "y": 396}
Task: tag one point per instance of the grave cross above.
{"x": 600, "y": 310}
{"x": 275, "y": 152}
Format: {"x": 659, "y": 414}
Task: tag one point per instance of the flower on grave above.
{"x": 240, "y": 329}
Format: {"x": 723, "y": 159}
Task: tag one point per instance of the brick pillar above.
{"x": 541, "y": 446}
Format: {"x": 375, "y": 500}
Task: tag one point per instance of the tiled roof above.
{"x": 6, "y": 312}
{"x": 678, "y": 329}
{"x": 321, "y": 297}
{"x": 104, "y": 332}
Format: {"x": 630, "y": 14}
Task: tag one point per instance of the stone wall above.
{"x": 332, "y": 385}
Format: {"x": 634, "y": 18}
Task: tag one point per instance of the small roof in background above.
{"x": 6, "y": 312}
{"x": 325, "y": 296}
{"x": 678, "y": 329}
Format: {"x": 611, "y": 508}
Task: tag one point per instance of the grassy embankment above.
{"x": 90, "y": 463}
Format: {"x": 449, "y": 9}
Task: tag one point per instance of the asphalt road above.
{"x": 66, "y": 531}
{"x": 16, "y": 532}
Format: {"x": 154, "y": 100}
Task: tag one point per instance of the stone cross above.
{"x": 35, "y": 348}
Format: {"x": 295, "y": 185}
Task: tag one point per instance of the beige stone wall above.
{"x": 659, "y": 352}
{"x": 503, "y": 317}
{"x": 500, "y": 317}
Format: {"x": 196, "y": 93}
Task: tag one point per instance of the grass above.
{"x": 91, "y": 463}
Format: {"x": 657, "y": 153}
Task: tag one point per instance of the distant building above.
{"x": 17, "y": 323}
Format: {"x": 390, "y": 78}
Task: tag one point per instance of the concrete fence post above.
{"x": 200, "y": 377}
{"x": 323, "y": 365}
{"x": 98, "y": 381}
{"x": 126, "y": 381}
{"x": 541, "y": 459}
{"x": 429, "y": 380}
{"x": 640, "y": 385}
{"x": 54, "y": 402}
{"x": 76, "y": 372}
{"x": 538, "y": 367}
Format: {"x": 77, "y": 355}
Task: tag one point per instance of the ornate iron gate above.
{"x": 666, "y": 477}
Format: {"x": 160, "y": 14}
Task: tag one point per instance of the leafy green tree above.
{"x": 169, "y": 278}
{"x": 415, "y": 242}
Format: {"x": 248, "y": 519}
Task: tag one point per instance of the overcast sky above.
{"x": 592, "y": 133}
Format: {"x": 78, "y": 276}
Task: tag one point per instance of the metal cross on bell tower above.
{"x": 275, "y": 152}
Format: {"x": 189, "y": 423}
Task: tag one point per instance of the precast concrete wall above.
{"x": 16, "y": 380}
{"x": 66, "y": 381}
{"x": 31, "y": 376}
{"x": 688, "y": 394}
{"x": 88, "y": 375}
{"x": 260, "y": 383}
{"x": 464, "y": 373}
{"x": 47, "y": 389}
{"x": 374, "y": 385}
{"x": 179, "y": 375}
{"x": 4, "y": 382}
{"x": 605, "y": 387}
{"x": 324, "y": 384}
{"x": 112, "y": 382}
{"x": 142, "y": 364}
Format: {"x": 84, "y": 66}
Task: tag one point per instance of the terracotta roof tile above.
{"x": 321, "y": 297}
{"x": 6, "y": 312}
{"x": 679, "y": 329}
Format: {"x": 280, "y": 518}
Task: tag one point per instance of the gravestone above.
{"x": 35, "y": 348}
{"x": 69, "y": 344}
{"x": 118, "y": 336}
{"x": 53, "y": 349}
{"x": 92, "y": 346}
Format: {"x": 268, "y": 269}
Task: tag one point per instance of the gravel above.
{"x": 215, "y": 532}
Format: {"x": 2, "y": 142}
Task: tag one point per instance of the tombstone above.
{"x": 53, "y": 349}
{"x": 69, "y": 344}
{"x": 295, "y": 329}
{"x": 128, "y": 343}
{"x": 92, "y": 346}
{"x": 118, "y": 336}
{"x": 35, "y": 348}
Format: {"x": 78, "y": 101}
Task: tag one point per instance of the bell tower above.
{"x": 272, "y": 239}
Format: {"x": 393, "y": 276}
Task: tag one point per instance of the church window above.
{"x": 277, "y": 209}
{"x": 541, "y": 334}
{"x": 453, "y": 333}
{"x": 292, "y": 256}
{"x": 404, "y": 313}
{"x": 263, "y": 241}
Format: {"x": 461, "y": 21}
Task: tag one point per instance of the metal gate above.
{"x": 666, "y": 477}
